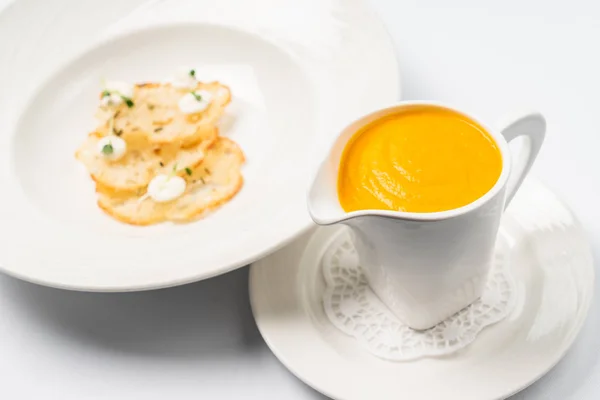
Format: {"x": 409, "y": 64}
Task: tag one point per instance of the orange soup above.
{"x": 422, "y": 159}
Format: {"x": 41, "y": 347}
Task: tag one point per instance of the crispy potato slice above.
{"x": 156, "y": 116}
{"x": 140, "y": 163}
{"x": 213, "y": 182}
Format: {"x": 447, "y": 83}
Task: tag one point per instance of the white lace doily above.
{"x": 354, "y": 309}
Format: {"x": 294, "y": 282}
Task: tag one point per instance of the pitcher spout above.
{"x": 323, "y": 205}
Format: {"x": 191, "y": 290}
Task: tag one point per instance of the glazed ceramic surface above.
{"x": 552, "y": 265}
{"x": 428, "y": 266}
{"x": 288, "y": 65}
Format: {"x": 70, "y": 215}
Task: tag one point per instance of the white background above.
{"x": 490, "y": 57}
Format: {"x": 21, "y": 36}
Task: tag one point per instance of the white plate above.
{"x": 552, "y": 264}
{"x": 298, "y": 71}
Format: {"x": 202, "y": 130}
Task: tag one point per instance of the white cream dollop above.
{"x": 116, "y": 91}
{"x": 195, "y": 102}
{"x": 164, "y": 188}
{"x": 112, "y": 147}
{"x": 111, "y": 99}
{"x": 184, "y": 78}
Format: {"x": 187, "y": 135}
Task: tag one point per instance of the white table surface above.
{"x": 200, "y": 341}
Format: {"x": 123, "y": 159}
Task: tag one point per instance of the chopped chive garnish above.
{"x": 193, "y": 73}
{"x": 128, "y": 101}
{"x": 105, "y": 93}
{"x": 188, "y": 171}
{"x": 161, "y": 164}
{"x": 158, "y": 129}
{"x": 196, "y": 96}
{"x": 118, "y": 132}
{"x": 108, "y": 149}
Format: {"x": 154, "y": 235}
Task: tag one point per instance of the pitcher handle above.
{"x": 533, "y": 128}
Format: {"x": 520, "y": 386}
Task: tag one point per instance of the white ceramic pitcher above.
{"x": 427, "y": 266}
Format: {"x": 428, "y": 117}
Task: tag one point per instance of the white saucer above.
{"x": 550, "y": 260}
